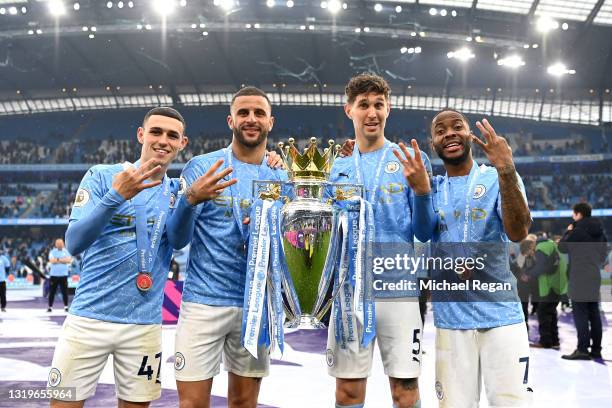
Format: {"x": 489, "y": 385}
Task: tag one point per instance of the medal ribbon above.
{"x": 236, "y": 200}
{"x": 459, "y": 232}
{"x": 148, "y": 245}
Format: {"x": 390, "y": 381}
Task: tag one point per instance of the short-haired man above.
{"x": 118, "y": 223}
{"x": 397, "y": 186}
{"x": 211, "y": 215}
{"x": 59, "y": 261}
{"x": 585, "y": 243}
{"x": 479, "y": 337}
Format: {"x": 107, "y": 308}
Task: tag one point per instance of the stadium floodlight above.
{"x": 454, "y": 13}
{"x": 290, "y": 3}
{"x": 398, "y": 9}
{"x": 378, "y": 7}
{"x": 462, "y": 54}
{"x": 418, "y": 50}
{"x": 443, "y": 12}
{"x": 120, "y": 5}
{"x": 270, "y": 3}
{"x": 109, "y": 4}
{"x": 433, "y": 11}
{"x": 130, "y": 4}
{"x": 2, "y": 10}
{"x": 559, "y": 69}
{"x": 404, "y": 50}
{"x": 546, "y": 24}
{"x": 76, "y": 6}
{"x": 334, "y": 6}
{"x": 164, "y": 7}
{"x": 512, "y": 61}
{"x": 56, "y": 8}
{"x": 12, "y": 10}
{"x": 183, "y": 3}
{"x": 226, "y": 5}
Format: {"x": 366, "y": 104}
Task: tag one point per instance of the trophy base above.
{"x": 305, "y": 322}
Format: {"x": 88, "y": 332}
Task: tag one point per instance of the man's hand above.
{"x": 275, "y": 161}
{"x": 496, "y": 147}
{"x": 570, "y": 227}
{"x": 207, "y": 186}
{"x": 347, "y": 148}
{"x": 414, "y": 169}
{"x": 131, "y": 181}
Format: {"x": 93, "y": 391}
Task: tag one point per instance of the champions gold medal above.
{"x": 148, "y": 246}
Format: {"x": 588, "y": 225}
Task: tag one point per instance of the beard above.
{"x": 454, "y": 161}
{"x": 263, "y": 134}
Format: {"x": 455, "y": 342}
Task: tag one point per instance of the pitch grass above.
{"x": 306, "y": 271}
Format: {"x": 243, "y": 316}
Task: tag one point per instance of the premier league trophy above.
{"x": 308, "y": 234}
{"x": 304, "y": 252}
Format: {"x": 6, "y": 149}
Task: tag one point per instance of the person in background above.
{"x": 550, "y": 273}
{"x": 59, "y": 261}
{"x": 585, "y": 242}
{"x": 5, "y": 265}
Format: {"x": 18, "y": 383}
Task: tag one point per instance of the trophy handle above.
{"x": 319, "y": 315}
{"x": 343, "y": 192}
{"x": 333, "y": 297}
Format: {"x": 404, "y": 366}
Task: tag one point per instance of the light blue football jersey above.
{"x": 5, "y": 264}
{"x": 216, "y": 270}
{"x": 107, "y": 289}
{"x": 58, "y": 269}
{"x": 393, "y": 205}
{"x": 477, "y": 309}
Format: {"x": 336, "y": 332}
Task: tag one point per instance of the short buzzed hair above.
{"x": 250, "y": 91}
{"x": 365, "y": 83}
{"x": 463, "y": 117}
{"x": 165, "y": 111}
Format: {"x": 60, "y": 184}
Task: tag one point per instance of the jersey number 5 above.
{"x": 416, "y": 344}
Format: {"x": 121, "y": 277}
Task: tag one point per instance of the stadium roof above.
{"x": 204, "y": 46}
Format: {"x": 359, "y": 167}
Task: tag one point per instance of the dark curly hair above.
{"x": 365, "y": 83}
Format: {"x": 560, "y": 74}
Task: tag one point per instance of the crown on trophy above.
{"x": 311, "y": 164}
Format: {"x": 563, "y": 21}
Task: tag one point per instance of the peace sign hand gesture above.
{"x": 131, "y": 181}
{"x": 496, "y": 147}
{"x": 208, "y": 186}
{"x": 414, "y": 169}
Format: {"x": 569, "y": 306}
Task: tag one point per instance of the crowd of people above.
{"x": 559, "y": 192}
{"x": 555, "y": 192}
{"x": 113, "y": 150}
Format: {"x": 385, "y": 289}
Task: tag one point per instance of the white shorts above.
{"x": 399, "y": 331}
{"x": 500, "y": 356}
{"x": 206, "y": 333}
{"x": 83, "y": 349}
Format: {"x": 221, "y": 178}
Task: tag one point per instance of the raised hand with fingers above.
{"x": 208, "y": 186}
{"x": 414, "y": 168}
{"x": 496, "y": 147}
{"x": 347, "y": 148}
{"x": 275, "y": 161}
{"x": 131, "y": 181}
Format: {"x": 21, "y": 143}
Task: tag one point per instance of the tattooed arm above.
{"x": 515, "y": 212}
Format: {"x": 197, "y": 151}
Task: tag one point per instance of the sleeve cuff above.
{"x": 113, "y": 198}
